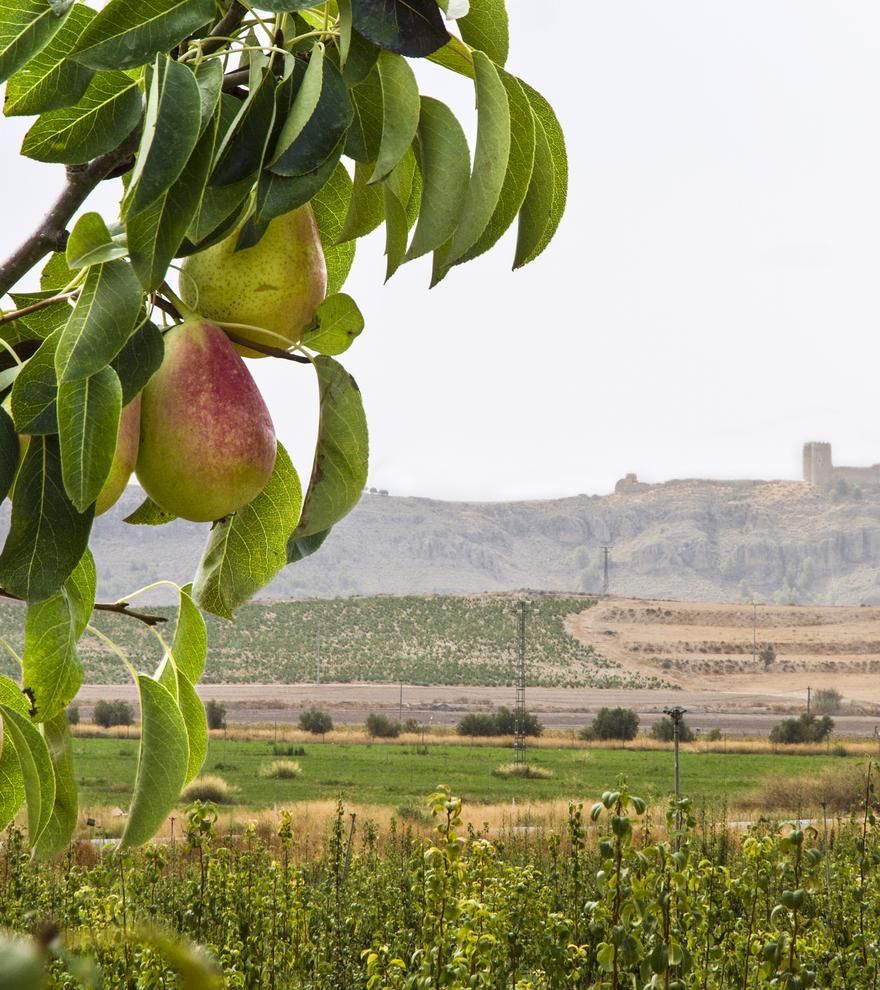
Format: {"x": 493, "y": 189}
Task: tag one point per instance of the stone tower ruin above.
{"x": 818, "y": 469}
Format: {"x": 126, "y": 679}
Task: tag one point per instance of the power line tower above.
{"x": 606, "y": 551}
{"x": 519, "y": 712}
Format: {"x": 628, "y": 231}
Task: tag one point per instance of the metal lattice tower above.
{"x": 606, "y": 550}
{"x": 519, "y": 712}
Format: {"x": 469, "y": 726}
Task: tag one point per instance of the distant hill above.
{"x": 686, "y": 540}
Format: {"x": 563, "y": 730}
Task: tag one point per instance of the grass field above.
{"x": 402, "y": 775}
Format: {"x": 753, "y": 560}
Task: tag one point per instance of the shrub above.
{"x": 411, "y": 725}
{"x": 612, "y": 723}
{"x": 73, "y": 715}
{"x": 664, "y": 731}
{"x": 216, "y": 714}
{"x": 477, "y": 724}
{"x": 714, "y": 734}
{"x": 287, "y": 749}
{"x": 379, "y": 726}
{"x": 827, "y": 701}
{"x": 281, "y": 770}
{"x": 208, "y": 788}
{"x": 109, "y": 713}
{"x": 506, "y": 721}
{"x": 500, "y": 723}
{"x": 315, "y": 721}
{"x": 768, "y": 654}
{"x": 805, "y": 729}
{"x": 523, "y": 771}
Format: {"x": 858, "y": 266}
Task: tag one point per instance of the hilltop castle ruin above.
{"x": 819, "y": 470}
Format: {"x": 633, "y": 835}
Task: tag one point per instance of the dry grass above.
{"x": 209, "y": 788}
{"x": 281, "y": 770}
{"x": 523, "y": 771}
{"x": 839, "y": 789}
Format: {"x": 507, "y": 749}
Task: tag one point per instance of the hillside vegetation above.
{"x": 432, "y": 640}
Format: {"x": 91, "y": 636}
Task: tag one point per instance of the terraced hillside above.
{"x": 417, "y": 640}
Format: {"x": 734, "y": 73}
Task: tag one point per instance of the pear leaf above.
{"x": 149, "y": 514}
{"x": 196, "y": 721}
{"x": 485, "y": 26}
{"x": 190, "y": 645}
{"x": 163, "y": 762}
{"x": 62, "y": 822}
{"x": 36, "y": 390}
{"x": 400, "y": 112}
{"x": 25, "y": 29}
{"x": 102, "y": 321}
{"x": 341, "y": 455}
{"x": 51, "y": 671}
{"x": 12, "y": 793}
{"x": 88, "y": 423}
{"x": 125, "y": 34}
{"x": 105, "y": 114}
{"x": 330, "y": 207}
{"x": 36, "y": 769}
{"x": 444, "y": 159}
{"x": 304, "y": 104}
{"x": 139, "y": 360}
{"x": 366, "y": 208}
{"x": 171, "y": 129}
{"x": 408, "y": 27}
{"x": 245, "y": 551}
{"x": 90, "y": 243}
{"x": 545, "y": 201}
{"x": 47, "y": 536}
{"x": 399, "y": 189}
{"x": 50, "y": 80}
{"x": 9, "y": 453}
{"x": 338, "y": 321}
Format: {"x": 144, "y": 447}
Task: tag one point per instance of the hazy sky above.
{"x": 709, "y": 303}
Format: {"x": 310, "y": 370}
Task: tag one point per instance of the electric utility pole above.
{"x": 519, "y": 714}
{"x": 676, "y": 714}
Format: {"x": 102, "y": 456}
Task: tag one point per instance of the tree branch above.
{"x": 277, "y": 352}
{"x": 121, "y": 608}
{"x": 51, "y": 235}
{"x": 225, "y": 27}
{"x": 40, "y": 304}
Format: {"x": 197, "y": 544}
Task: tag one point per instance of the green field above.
{"x": 400, "y": 775}
{"x": 417, "y": 640}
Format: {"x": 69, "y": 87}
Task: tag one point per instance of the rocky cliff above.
{"x": 695, "y": 540}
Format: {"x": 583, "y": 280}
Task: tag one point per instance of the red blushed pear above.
{"x": 207, "y": 444}
{"x": 125, "y": 458}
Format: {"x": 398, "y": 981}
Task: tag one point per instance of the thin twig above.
{"x": 278, "y": 352}
{"x": 166, "y": 307}
{"x": 40, "y": 304}
{"x": 121, "y": 608}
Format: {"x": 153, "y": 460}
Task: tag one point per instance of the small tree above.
{"x": 505, "y": 720}
{"x": 805, "y": 729}
{"x": 73, "y": 714}
{"x": 110, "y": 713}
{"x": 612, "y": 723}
{"x": 315, "y": 721}
{"x": 216, "y": 714}
{"x": 664, "y": 730}
{"x": 379, "y": 726}
{"x": 477, "y": 724}
{"x": 827, "y": 701}
{"x": 768, "y": 654}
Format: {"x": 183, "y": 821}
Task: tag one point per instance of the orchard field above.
{"x": 617, "y": 896}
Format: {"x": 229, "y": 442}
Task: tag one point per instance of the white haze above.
{"x": 709, "y": 303}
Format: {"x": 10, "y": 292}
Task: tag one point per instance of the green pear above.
{"x": 275, "y": 285}
{"x": 125, "y": 458}
{"x": 207, "y": 443}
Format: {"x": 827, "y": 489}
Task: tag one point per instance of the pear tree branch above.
{"x": 120, "y": 608}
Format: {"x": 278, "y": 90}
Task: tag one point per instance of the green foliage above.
{"x": 379, "y": 726}
{"x": 315, "y": 721}
{"x": 663, "y": 730}
{"x": 216, "y": 714}
{"x": 500, "y": 723}
{"x": 805, "y": 728}
{"x": 612, "y": 723}
{"x": 110, "y": 713}
{"x": 827, "y": 701}
{"x": 218, "y": 119}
